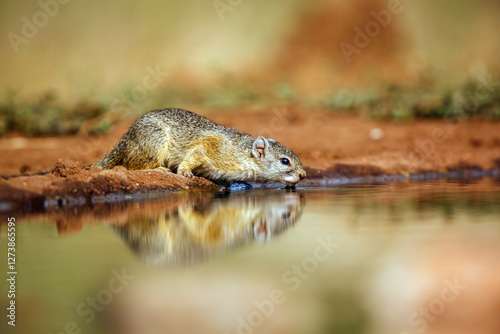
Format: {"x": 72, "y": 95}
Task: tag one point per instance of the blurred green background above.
{"x": 81, "y": 60}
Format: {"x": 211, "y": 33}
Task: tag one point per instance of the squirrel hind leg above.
{"x": 147, "y": 156}
{"x": 164, "y": 169}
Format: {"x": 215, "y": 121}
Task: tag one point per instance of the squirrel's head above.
{"x": 276, "y": 162}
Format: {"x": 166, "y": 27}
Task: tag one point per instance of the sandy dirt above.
{"x": 329, "y": 145}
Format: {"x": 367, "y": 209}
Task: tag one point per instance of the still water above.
{"x": 391, "y": 258}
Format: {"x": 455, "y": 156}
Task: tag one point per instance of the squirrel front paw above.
{"x": 185, "y": 173}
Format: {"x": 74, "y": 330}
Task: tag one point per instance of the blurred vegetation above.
{"x": 47, "y": 115}
{"x": 397, "y": 103}
{"x": 190, "y": 56}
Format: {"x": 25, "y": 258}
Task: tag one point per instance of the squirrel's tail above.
{"x": 113, "y": 158}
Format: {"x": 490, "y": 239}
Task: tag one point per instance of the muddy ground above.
{"x": 330, "y": 145}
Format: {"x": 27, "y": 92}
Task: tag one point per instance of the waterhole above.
{"x": 404, "y": 257}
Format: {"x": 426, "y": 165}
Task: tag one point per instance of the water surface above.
{"x": 391, "y": 258}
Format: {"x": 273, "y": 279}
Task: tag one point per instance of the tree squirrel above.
{"x": 188, "y": 144}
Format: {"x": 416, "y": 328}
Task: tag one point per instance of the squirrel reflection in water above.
{"x": 196, "y": 233}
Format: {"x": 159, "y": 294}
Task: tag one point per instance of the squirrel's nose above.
{"x": 302, "y": 175}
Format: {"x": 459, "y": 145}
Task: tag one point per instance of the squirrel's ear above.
{"x": 260, "y": 147}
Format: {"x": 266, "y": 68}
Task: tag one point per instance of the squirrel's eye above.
{"x": 285, "y": 161}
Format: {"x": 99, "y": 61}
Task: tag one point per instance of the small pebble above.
{"x": 376, "y": 133}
